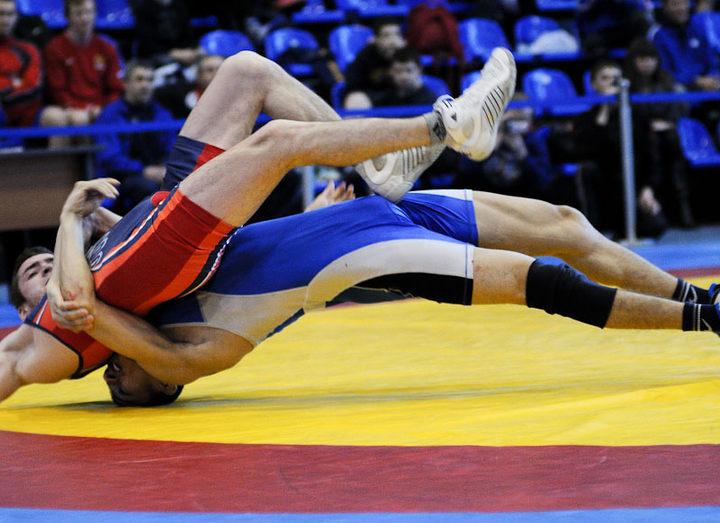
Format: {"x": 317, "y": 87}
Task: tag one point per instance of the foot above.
{"x": 392, "y": 175}
{"x": 714, "y": 292}
{"x": 472, "y": 120}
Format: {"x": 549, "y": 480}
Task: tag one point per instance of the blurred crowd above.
{"x": 360, "y": 55}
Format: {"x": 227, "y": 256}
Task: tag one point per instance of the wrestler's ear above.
{"x": 24, "y": 310}
{"x": 168, "y": 388}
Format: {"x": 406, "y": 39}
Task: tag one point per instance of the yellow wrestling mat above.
{"x": 418, "y": 373}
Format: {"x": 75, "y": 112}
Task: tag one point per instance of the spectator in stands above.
{"x": 33, "y": 29}
{"x": 642, "y": 69}
{"x": 179, "y": 98}
{"x": 605, "y": 25}
{"x": 368, "y": 76}
{"x": 164, "y": 33}
{"x": 683, "y": 50}
{"x": 407, "y": 86}
{"x": 521, "y": 163}
{"x": 83, "y": 68}
{"x": 432, "y": 29}
{"x": 21, "y": 94}
{"x": 597, "y": 132}
{"x": 136, "y": 159}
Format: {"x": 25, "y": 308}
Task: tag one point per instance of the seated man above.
{"x": 136, "y": 159}
{"x": 170, "y": 245}
{"x": 368, "y": 76}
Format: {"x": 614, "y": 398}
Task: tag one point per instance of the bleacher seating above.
{"x": 708, "y": 23}
{"x": 557, "y": 5}
{"x": 372, "y": 8}
{"x": 315, "y": 12}
{"x": 51, "y": 11}
{"x": 436, "y": 85}
{"x": 285, "y": 39}
{"x": 468, "y": 79}
{"x": 114, "y": 14}
{"x": 697, "y": 144}
{"x": 547, "y": 86}
{"x": 479, "y": 36}
{"x": 528, "y": 29}
{"x": 345, "y": 41}
{"x": 225, "y": 42}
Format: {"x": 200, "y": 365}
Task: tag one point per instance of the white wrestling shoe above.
{"x": 400, "y": 170}
{"x": 472, "y": 119}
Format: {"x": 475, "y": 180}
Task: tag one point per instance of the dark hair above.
{"x": 68, "y": 3}
{"x": 406, "y": 54}
{"x": 16, "y": 297}
{"x": 602, "y": 64}
{"x": 382, "y": 22}
{"x": 641, "y": 47}
{"x": 136, "y": 64}
{"x": 156, "y": 399}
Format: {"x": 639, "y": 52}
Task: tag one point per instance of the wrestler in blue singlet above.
{"x": 274, "y": 271}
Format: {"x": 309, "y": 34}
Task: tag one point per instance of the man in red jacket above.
{"x": 83, "y": 68}
{"x": 21, "y": 78}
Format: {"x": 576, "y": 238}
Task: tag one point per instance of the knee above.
{"x": 277, "y": 137}
{"x": 576, "y": 228}
{"x": 248, "y": 66}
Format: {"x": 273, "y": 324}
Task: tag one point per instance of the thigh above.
{"x": 227, "y": 110}
{"x": 526, "y": 225}
{"x": 155, "y": 254}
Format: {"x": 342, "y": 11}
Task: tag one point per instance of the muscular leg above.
{"x": 537, "y": 228}
{"x": 501, "y": 277}
{"x": 234, "y": 184}
{"x": 246, "y": 85}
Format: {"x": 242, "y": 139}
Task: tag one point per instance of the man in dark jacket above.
{"x": 137, "y": 159}
{"x": 368, "y": 77}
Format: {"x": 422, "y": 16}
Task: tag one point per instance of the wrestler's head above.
{"x": 29, "y": 277}
{"x": 131, "y": 386}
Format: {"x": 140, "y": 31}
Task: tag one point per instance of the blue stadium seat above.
{"x": 557, "y": 5}
{"x": 336, "y": 94}
{"x": 457, "y": 8}
{"x": 436, "y": 85}
{"x": 555, "y": 90}
{"x": 281, "y": 40}
{"x": 225, "y": 43}
{"x": 372, "y": 8}
{"x": 51, "y": 11}
{"x": 346, "y": 41}
{"x": 697, "y": 144}
{"x": 708, "y": 24}
{"x": 479, "y": 36}
{"x": 315, "y": 12}
{"x": 587, "y": 83}
{"x": 114, "y": 14}
{"x": 529, "y": 28}
{"x": 468, "y": 79}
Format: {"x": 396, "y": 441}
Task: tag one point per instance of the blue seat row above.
{"x": 111, "y": 14}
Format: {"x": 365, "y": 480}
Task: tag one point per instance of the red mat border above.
{"x": 41, "y": 471}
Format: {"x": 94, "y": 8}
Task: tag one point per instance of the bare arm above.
{"x": 29, "y": 355}
{"x": 71, "y": 290}
{"x": 170, "y": 361}
{"x": 71, "y": 294}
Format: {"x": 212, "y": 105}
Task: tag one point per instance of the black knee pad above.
{"x": 560, "y": 289}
